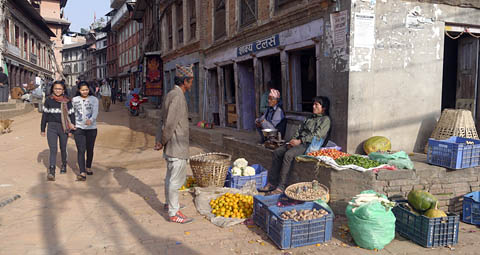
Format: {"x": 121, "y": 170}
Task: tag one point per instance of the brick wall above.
{"x": 448, "y": 186}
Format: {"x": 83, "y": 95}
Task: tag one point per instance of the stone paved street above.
{"x": 118, "y": 210}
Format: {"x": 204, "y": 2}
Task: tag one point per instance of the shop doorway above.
{"x": 460, "y": 88}
{"x": 246, "y": 85}
{"x": 303, "y": 79}
{"x": 229, "y": 96}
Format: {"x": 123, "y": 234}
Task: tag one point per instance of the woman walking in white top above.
{"x": 86, "y": 111}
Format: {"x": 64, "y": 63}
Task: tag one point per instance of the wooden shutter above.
{"x": 248, "y": 12}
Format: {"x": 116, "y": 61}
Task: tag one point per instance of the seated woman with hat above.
{"x": 274, "y": 117}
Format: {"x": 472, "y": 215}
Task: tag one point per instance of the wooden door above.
{"x": 467, "y": 77}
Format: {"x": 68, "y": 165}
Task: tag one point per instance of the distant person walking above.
{"x": 4, "y": 87}
{"x": 59, "y": 119}
{"x": 173, "y": 135}
{"x": 106, "y": 94}
{"x": 86, "y": 111}
{"x": 114, "y": 93}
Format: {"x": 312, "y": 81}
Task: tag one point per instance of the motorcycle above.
{"x": 135, "y": 105}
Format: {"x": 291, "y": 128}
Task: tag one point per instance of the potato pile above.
{"x": 303, "y": 214}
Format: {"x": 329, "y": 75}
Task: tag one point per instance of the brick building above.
{"x": 74, "y": 61}
{"x": 27, "y": 51}
{"x": 52, "y": 12}
{"x": 129, "y": 35}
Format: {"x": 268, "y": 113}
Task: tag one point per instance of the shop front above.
{"x": 238, "y": 76}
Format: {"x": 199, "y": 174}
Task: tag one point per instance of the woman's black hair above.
{"x": 61, "y": 83}
{"x": 81, "y": 84}
{"x": 324, "y": 102}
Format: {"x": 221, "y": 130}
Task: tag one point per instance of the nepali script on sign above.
{"x": 259, "y": 45}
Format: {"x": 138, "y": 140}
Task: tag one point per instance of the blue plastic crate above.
{"x": 290, "y": 234}
{"x": 471, "y": 208}
{"x": 238, "y": 182}
{"x": 261, "y": 214}
{"x": 427, "y": 232}
{"x": 454, "y": 153}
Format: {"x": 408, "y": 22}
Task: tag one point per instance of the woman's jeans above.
{"x": 282, "y": 162}
{"x": 55, "y": 133}
{"x": 85, "y": 141}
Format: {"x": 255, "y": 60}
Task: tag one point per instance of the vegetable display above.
{"x": 435, "y": 212}
{"x": 358, "y": 161}
{"x": 365, "y": 198}
{"x": 333, "y": 153}
{"x": 303, "y": 214}
{"x": 306, "y": 191}
{"x": 241, "y": 168}
{"x": 377, "y": 144}
{"x": 421, "y": 200}
{"x": 232, "y": 206}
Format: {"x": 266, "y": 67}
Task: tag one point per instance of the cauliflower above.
{"x": 248, "y": 171}
{"x": 240, "y": 163}
{"x": 236, "y": 171}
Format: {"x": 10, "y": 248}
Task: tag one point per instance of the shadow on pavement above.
{"x": 55, "y": 194}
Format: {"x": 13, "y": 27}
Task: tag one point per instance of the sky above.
{"x": 80, "y": 12}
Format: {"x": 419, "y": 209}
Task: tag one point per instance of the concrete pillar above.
{"x": 285, "y": 80}
{"x": 221, "y": 97}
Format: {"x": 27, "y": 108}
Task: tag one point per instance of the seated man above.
{"x": 273, "y": 118}
{"x": 318, "y": 124}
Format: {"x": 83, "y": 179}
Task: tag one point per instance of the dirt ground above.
{"x": 118, "y": 210}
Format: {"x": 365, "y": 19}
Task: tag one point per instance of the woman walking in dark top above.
{"x": 86, "y": 111}
{"x": 59, "y": 114}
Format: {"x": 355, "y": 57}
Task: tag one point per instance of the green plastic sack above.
{"x": 325, "y": 205}
{"x": 399, "y": 159}
{"x": 372, "y": 226}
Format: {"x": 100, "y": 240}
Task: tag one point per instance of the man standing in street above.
{"x": 4, "y": 88}
{"x": 173, "y": 136}
{"x": 106, "y": 94}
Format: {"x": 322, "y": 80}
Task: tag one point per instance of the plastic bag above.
{"x": 372, "y": 225}
{"x": 325, "y": 205}
{"x": 399, "y": 159}
{"x": 315, "y": 145}
{"x": 204, "y": 195}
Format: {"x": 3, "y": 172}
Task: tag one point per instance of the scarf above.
{"x": 63, "y": 100}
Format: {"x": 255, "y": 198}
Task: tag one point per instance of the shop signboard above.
{"x": 154, "y": 79}
{"x": 259, "y": 45}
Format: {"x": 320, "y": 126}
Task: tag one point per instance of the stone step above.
{"x": 20, "y": 108}
{"x": 8, "y": 105}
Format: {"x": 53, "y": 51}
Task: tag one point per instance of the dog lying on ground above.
{"x": 5, "y": 126}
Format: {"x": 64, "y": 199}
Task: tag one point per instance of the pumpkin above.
{"x": 377, "y": 144}
{"x": 435, "y": 213}
{"x": 421, "y": 200}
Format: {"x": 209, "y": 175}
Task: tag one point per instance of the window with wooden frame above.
{"x": 284, "y": 4}
{"x": 7, "y": 30}
{"x": 192, "y": 14}
{"x": 25, "y": 45}
{"x": 219, "y": 27}
{"x": 32, "y": 45}
{"x": 179, "y": 10}
{"x": 169, "y": 28}
{"x": 17, "y": 36}
{"x": 248, "y": 12}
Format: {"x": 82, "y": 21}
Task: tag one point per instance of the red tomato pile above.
{"x": 333, "y": 153}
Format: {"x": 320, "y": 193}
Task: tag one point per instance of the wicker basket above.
{"x": 325, "y": 197}
{"x": 210, "y": 169}
{"x": 454, "y": 122}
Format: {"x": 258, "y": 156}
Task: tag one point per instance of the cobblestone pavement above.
{"x": 118, "y": 210}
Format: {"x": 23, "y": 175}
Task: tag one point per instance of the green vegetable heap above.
{"x": 358, "y": 161}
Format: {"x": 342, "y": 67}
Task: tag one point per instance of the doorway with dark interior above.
{"x": 229, "y": 95}
{"x": 461, "y": 73}
{"x": 303, "y": 77}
